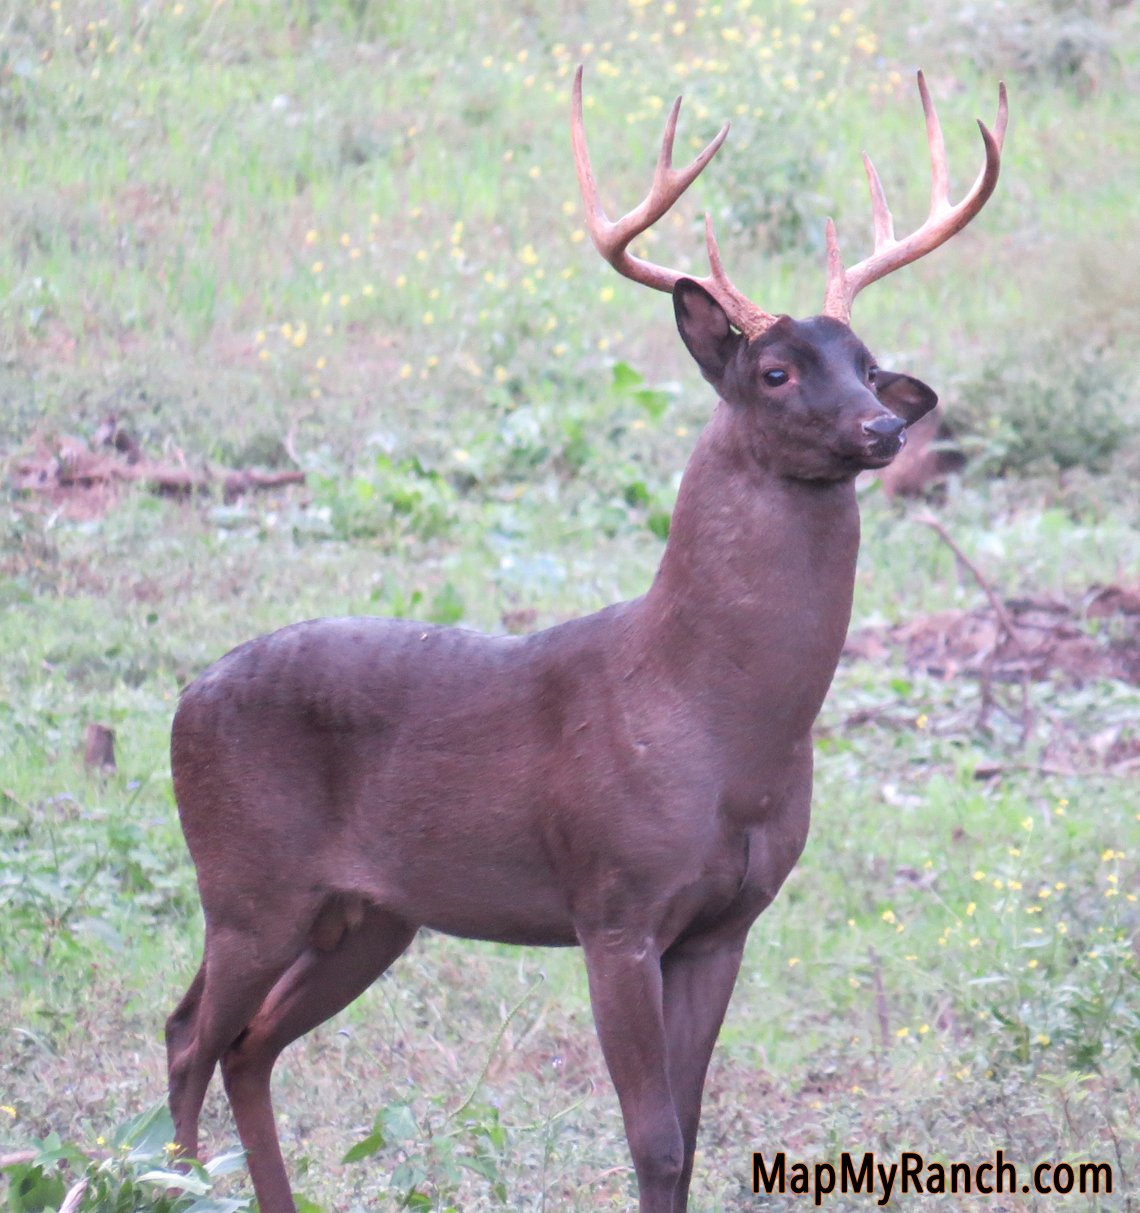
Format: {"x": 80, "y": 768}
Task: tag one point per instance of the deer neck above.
{"x": 750, "y": 606}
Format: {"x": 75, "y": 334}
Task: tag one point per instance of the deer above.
{"x": 636, "y": 783}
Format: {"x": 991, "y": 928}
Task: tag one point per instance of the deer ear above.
{"x": 704, "y": 328}
{"x": 905, "y": 396}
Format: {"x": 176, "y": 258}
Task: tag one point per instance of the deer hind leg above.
{"x": 222, "y": 999}
{"x": 338, "y": 966}
{"x": 187, "y": 1087}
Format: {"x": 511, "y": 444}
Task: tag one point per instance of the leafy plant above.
{"x": 631, "y": 384}
{"x": 390, "y": 500}
{"x": 429, "y": 1161}
{"x": 58, "y": 881}
{"x": 1047, "y": 406}
{"x": 134, "y": 1175}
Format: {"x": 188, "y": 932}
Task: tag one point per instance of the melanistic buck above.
{"x": 636, "y": 783}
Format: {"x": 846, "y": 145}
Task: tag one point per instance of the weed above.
{"x": 132, "y": 1172}
{"x": 393, "y": 501}
{"x": 429, "y": 1162}
{"x": 1050, "y": 407}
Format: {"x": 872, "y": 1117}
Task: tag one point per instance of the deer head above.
{"x": 820, "y": 407}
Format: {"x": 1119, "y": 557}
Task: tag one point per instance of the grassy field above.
{"x": 345, "y": 237}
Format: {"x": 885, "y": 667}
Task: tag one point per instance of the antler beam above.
{"x": 613, "y": 237}
{"x": 943, "y": 221}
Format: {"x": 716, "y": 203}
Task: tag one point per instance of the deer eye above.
{"x": 872, "y": 374}
{"x": 774, "y": 377}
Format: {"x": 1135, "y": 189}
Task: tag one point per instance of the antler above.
{"x": 612, "y": 239}
{"x": 943, "y": 221}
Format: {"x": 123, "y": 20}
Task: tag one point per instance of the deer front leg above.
{"x": 625, "y": 992}
{"x": 697, "y": 984}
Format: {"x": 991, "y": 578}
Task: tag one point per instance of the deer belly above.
{"x": 503, "y": 921}
{"x": 465, "y": 862}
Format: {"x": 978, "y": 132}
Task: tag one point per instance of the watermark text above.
{"x": 910, "y": 1174}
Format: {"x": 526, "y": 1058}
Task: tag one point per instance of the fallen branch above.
{"x": 1007, "y": 625}
{"x": 997, "y": 604}
{"x": 74, "y": 1198}
{"x": 83, "y": 469}
{"x": 994, "y": 770}
{"x": 16, "y": 1159}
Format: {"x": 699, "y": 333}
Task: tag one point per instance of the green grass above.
{"x": 255, "y": 231}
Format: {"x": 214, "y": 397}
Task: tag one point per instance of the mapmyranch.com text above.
{"x": 910, "y": 1174}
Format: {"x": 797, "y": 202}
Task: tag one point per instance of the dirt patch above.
{"x": 1022, "y": 654}
{"x": 1094, "y": 638}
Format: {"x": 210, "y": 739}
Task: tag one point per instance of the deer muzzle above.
{"x": 887, "y": 434}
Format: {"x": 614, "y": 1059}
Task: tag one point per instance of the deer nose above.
{"x": 886, "y": 426}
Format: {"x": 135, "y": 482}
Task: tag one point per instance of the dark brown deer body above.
{"x": 637, "y": 782}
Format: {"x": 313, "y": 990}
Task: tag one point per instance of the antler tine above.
{"x": 883, "y": 224}
{"x": 939, "y": 169}
{"x": 750, "y": 319}
{"x": 996, "y": 137}
{"x": 943, "y": 221}
{"x": 612, "y": 237}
